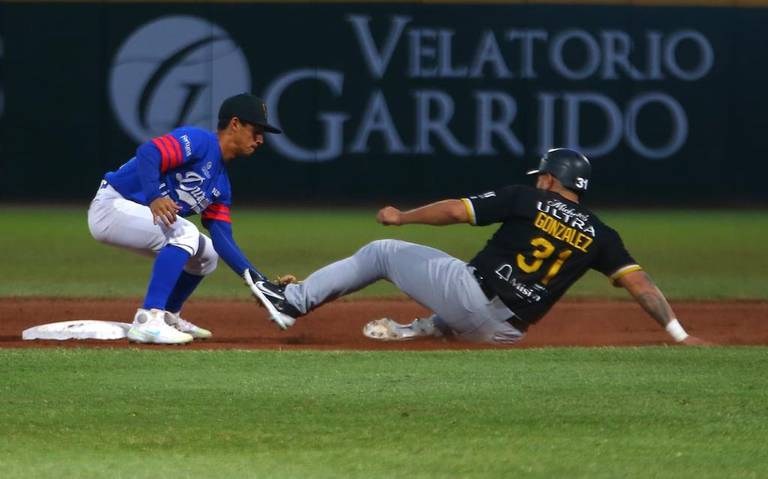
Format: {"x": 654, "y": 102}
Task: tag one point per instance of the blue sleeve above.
{"x": 148, "y": 161}
{"x": 225, "y": 246}
{"x": 193, "y": 142}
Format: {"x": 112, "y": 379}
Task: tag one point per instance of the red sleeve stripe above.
{"x": 177, "y": 149}
{"x": 219, "y": 208}
{"x": 163, "y": 154}
{"x": 217, "y": 211}
{"x": 174, "y": 156}
{"x": 216, "y": 216}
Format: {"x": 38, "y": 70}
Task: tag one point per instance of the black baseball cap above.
{"x": 248, "y": 108}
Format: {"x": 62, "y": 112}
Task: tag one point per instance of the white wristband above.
{"x": 676, "y": 330}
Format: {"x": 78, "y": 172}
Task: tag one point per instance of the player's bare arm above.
{"x": 446, "y": 212}
{"x": 652, "y": 300}
{"x": 164, "y": 210}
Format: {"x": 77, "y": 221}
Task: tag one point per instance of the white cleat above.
{"x": 175, "y": 320}
{"x": 386, "y": 329}
{"x": 149, "y": 327}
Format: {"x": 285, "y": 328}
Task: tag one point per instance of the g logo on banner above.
{"x": 174, "y": 71}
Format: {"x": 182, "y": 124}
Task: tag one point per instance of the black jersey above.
{"x": 545, "y": 244}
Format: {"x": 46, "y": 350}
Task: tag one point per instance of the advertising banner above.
{"x": 392, "y": 100}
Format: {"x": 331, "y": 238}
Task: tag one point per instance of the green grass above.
{"x": 691, "y": 254}
{"x": 592, "y": 413}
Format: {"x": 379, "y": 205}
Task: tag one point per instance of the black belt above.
{"x": 487, "y": 290}
{"x": 489, "y": 293}
{"x": 518, "y": 324}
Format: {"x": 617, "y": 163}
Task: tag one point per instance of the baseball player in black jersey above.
{"x": 547, "y": 240}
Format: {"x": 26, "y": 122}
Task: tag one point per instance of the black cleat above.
{"x": 276, "y": 295}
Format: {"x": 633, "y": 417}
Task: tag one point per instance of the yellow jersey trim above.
{"x": 625, "y": 271}
{"x": 470, "y": 210}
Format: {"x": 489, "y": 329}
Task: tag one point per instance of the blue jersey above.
{"x": 184, "y": 165}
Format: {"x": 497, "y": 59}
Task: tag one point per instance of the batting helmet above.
{"x": 570, "y": 167}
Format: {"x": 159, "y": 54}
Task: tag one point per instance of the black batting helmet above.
{"x": 570, "y": 167}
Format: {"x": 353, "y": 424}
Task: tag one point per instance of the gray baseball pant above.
{"x": 431, "y": 277}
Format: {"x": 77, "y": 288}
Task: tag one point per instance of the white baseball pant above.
{"x": 117, "y": 221}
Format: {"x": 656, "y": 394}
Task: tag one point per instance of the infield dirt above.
{"x": 338, "y": 325}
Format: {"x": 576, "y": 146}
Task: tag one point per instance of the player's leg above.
{"x": 119, "y": 222}
{"x": 333, "y": 281}
{"x": 198, "y": 267}
{"x": 116, "y": 221}
{"x": 407, "y": 265}
{"x": 183, "y": 243}
{"x": 433, "y": 278}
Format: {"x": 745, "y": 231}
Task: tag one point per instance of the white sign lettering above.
{"x": 431, "y": 53}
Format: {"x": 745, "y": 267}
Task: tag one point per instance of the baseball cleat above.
{"x": 175, "y": 320}
{"x": 149, "y": 327}
{"x": 273, "y": 298}
{"x": 276, "y": 295}
{"x": 386, "y": 329}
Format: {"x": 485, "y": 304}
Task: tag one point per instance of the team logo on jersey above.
{"x": 159, "y": 81}
{"x": 207, "y": 169}
{"x": 189, "y": 191}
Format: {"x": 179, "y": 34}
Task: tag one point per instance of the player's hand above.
{"x": 389, "y": 216}
{"x": 164, "y": 210}
{"x": 694, "y": 341}
{"x": 286, "y": 279}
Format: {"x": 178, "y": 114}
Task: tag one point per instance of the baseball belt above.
{"x": 489, "y": 293}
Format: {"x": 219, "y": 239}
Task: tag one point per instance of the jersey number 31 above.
{"x": 542, "y": 250}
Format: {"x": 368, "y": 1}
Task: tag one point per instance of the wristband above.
{"x": 676, "y": 330}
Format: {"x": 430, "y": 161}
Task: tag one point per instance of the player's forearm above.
{"x": 656, "y": 305}
{"x": 446, "y": 212}
{"x": 652, "y": 300}
{"x": 227, "y": 249}
{"x": 649, "y": 296}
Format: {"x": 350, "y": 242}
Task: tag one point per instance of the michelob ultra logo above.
{"x": 173, "y": 71}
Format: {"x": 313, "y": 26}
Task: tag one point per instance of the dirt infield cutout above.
{"x": 337, "y": 326}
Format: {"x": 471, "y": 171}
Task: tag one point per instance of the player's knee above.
{"x": 381, "y": 245}
{"x": 202, "y": 266}
{"x": 378, "y": 253}
{"x": 209, "y": 262}
{"x": 98, "y": 233}
{"x": 98, "y": 229}
{"x": 205, "y": 261}
{"x": 186, "y": 236}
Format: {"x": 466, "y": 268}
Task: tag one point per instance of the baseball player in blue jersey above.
{"x": 142, "y": 205}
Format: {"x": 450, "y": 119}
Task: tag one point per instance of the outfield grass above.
{"x": 592, "y": 413}
{"x": 691, "y": 254}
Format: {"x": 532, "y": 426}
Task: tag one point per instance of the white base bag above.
{"x": 85, "y": 329}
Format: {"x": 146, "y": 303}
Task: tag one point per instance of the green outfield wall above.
{"x": 394, "y": 99}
